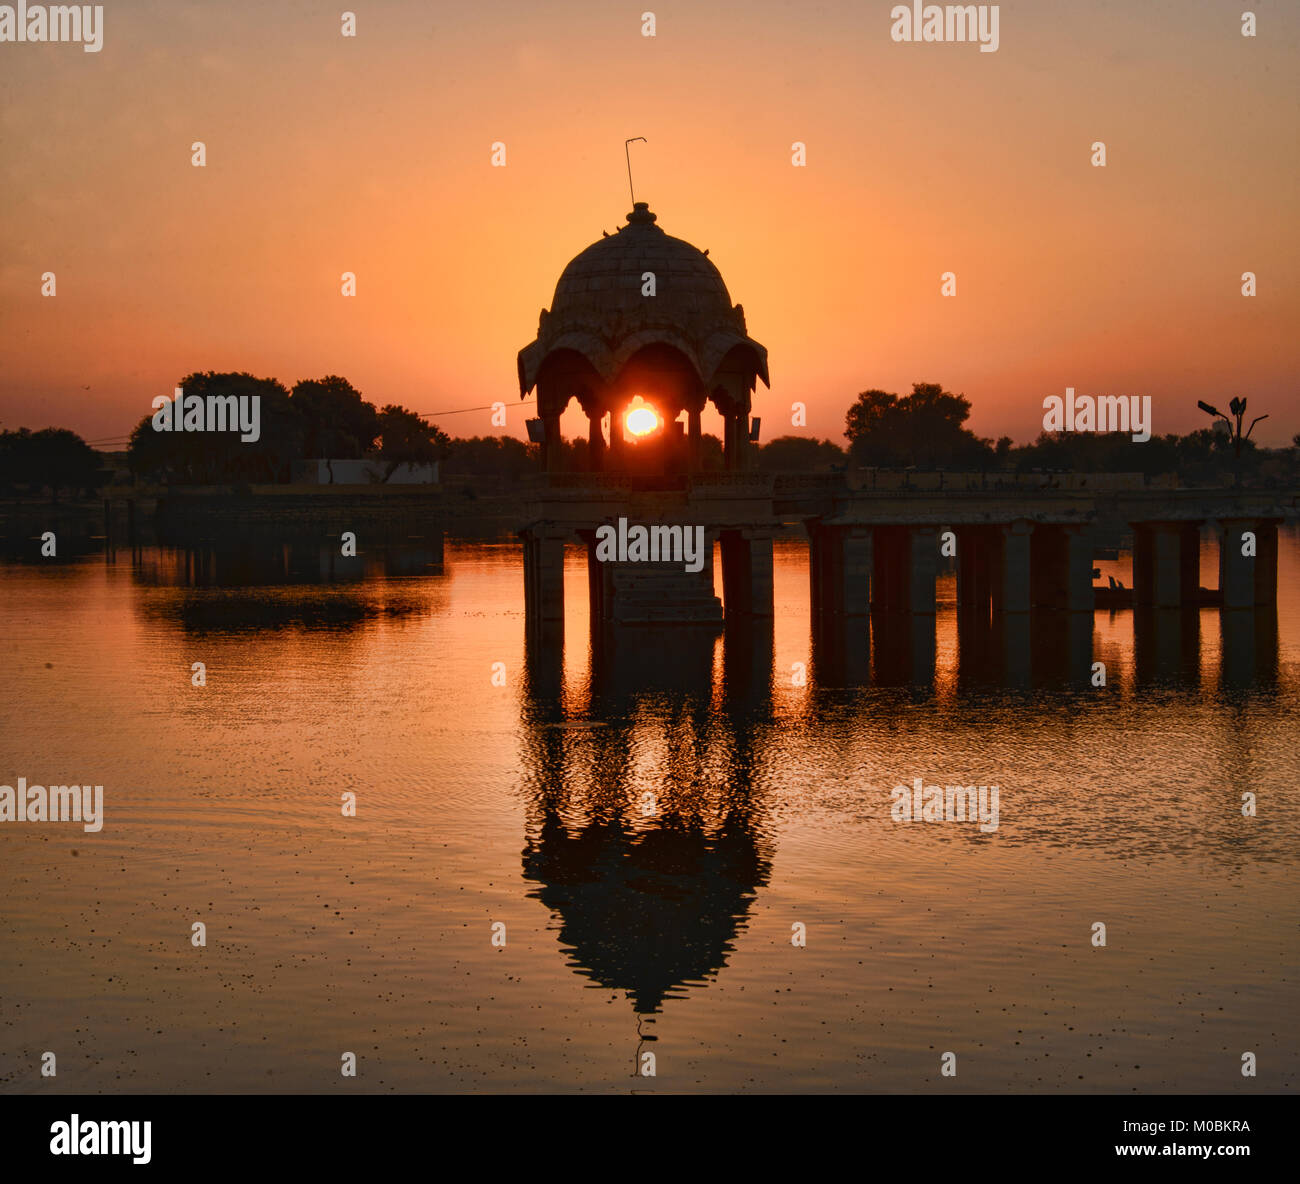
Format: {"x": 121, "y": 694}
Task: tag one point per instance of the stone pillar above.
{"x": 543, "y": 573}
{"x": 761, "y": 594}
{"x": 1166, "y": 564}
{"x": 856, "y": 546}
{"x": 600, "y": 596}
{"x": 551, "y": 448}
{"x": 977, "y": 549}
{"x": 891, "y": 585}
{"x": 1266, "y": 562}
{"x": 922, "y": 556}
{"x": 742, "y": 440}
{"x": 839, "y": 568}
{"x": 817, "y": 577}
{"x": 968, "y": 552}
{"x": 595, "y": 442}
{"x": 695, "y": 445}
{"x": 1011, "y": 588}
{"x": 1236, "y": 571}
{"x": 1079, "y": 596}
{"x": 735, "y": 440}
{"x": 746, "y": 573}
{"x": 1047, "y": 567}
{"x": 1061, "y": 568}
{"x": 1247, "y": 580}
{"x": 617, "y": 443}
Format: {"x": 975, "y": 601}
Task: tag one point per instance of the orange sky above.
{"x": 372, "y": 155}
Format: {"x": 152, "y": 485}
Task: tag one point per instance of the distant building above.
{"x": 361, "y": 472}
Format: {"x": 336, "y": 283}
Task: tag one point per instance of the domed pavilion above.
{"x": 642, "y": 326}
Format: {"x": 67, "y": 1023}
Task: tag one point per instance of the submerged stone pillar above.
{"x": 746, "y": 573}
{"x": 977, "y": 549}
{"x": 1047, "y": 567}
{"x": 1166, "y": 564}
{"x": 543, "y": 573}
{"x": 839, "y": 568}
{"x": 1011, "y": 584}
{"x": 1248, "y": 562}
{"x": 1266, "y": 563}
{"x": 1079, "y": 596}
{"x": 600, "y": 584}
{"x": 922, "y": 554}
{"x": 1061, "y": 568}
{"x": 1236, "y": 570}
{"x": 891, "y": 569}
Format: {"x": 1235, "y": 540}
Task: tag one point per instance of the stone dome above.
{"x": 599, "y": 311}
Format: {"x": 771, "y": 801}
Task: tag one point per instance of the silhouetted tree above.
{"x": 405, "y": 438}
{"x": 52, "y": 458}
{"x": 489, "y": 456}
{"x": 799, "y": 454}
{"x": 337, "y": 423}
{"x": 923, "y": 429}
{"x": 222, "y": 456}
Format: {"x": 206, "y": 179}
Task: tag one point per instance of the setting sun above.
{"x": 641, "y": 421}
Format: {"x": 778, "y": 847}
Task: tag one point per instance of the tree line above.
{"x": 926, "y": 429}
{"x": 328, "y": 418}
{"x": 320, "y": 418}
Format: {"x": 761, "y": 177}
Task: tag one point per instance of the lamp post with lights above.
{"x": 1238, "y": 409}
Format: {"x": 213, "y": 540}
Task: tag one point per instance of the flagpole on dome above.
{"x": 627, "y": 152}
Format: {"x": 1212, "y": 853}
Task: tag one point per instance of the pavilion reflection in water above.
{"x": 650, "y": 886}
{"x": 651, "y": 873}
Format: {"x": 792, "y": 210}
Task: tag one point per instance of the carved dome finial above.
{"x": 641, "y": 215}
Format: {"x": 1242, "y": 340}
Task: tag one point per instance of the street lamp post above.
{"x": 1238, "y": 409}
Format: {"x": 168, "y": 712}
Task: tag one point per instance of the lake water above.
{"x": 649, "y": 822}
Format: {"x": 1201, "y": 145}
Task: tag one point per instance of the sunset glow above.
{"x": 164, "y": 267}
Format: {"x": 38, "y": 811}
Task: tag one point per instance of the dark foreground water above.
{"x": 641, "y": 832}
